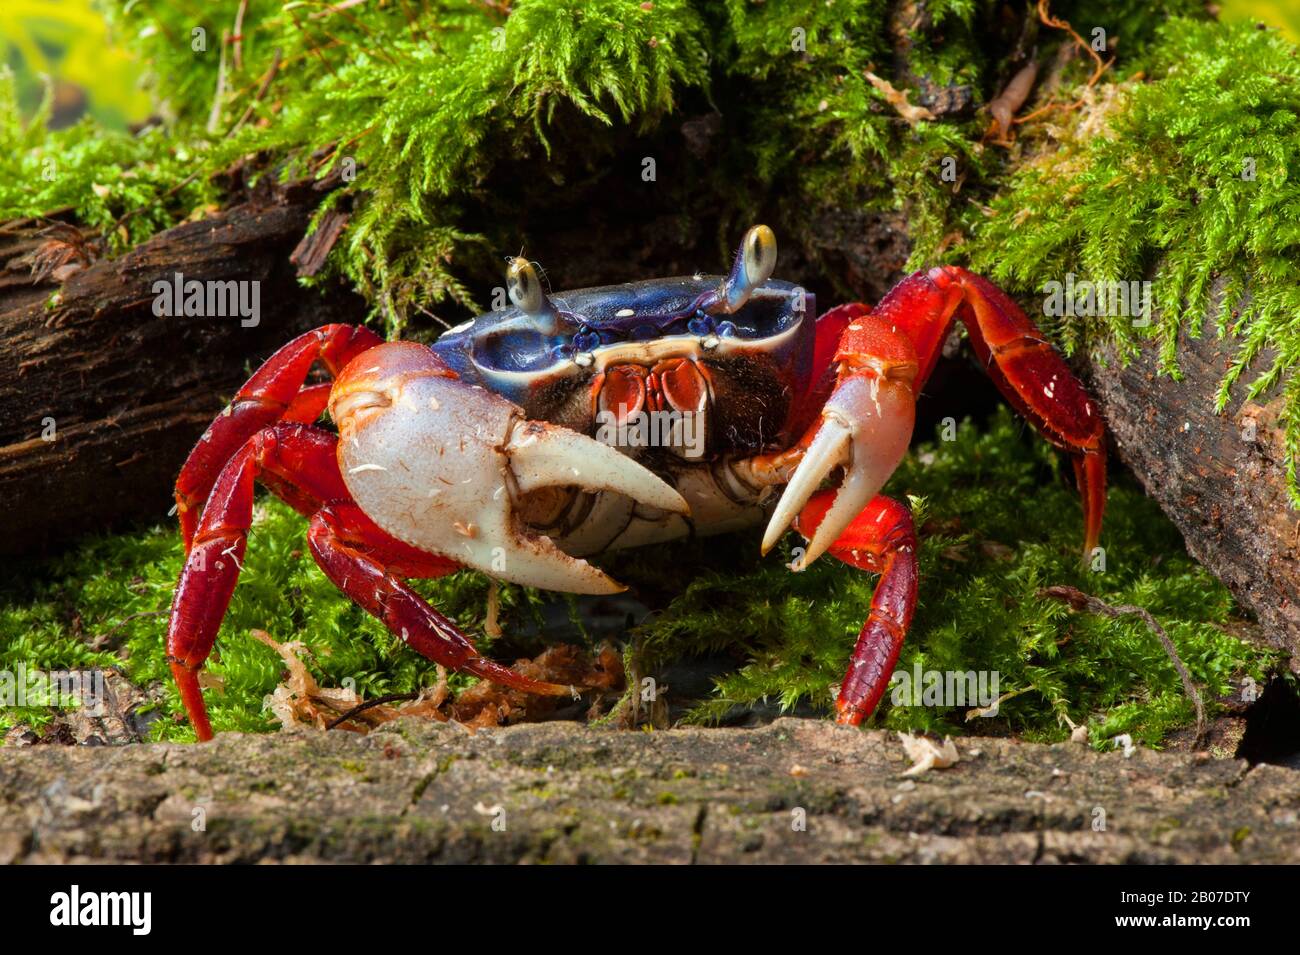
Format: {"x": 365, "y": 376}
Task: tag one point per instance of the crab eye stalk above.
{"x": 753, "y": 266}
{"x": 525, "y": 289}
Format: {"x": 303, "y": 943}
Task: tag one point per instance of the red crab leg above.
{"x": 1028, "y": 371}
{"x": 882, "y": 540}
{"x": 274, "y": 392}
{"x": 301, "y": 457}
{"x": 299, "y": 462}
{"x": 826, "y": 342}
{"x": 339, "y": 542}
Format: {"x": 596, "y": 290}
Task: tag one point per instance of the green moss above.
{"x": 457, "y": 121}
{"x": 126, "y": 187}
{"x": 1186, "y": 177}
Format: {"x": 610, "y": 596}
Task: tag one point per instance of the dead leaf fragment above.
{"x": 926, "y": 754}
{"x": 898, "y": 100}
{"x": 300, "y": 702}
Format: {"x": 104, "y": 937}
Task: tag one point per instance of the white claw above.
{"x": 865, "y": 428}
{"x": 831, "y": 448}
{"x": 546, "y": 455}
{"x": 428, "y": 463}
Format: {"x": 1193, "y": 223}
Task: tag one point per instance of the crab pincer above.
{"x": 447, "y": 467}
{"x": 864, "y": 430}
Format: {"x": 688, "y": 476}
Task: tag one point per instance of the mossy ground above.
{"x": 998, "y": 518}
{"x": 461, "y": 120}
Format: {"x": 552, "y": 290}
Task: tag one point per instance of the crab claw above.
{"x": 865, "y": 428}
{"x": 545, "y": 455}
{"x": 444, "y": 465}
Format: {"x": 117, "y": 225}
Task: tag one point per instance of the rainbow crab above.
{"x": 480, "y": 451}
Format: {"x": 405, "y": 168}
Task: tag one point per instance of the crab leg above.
{"x": 1028, "y": 371}
{"x": 880, "y": 539}
{"x": 341, "y": 553}
{"x": 299, "y": 462}
{"x": 919, "y": 311}
{"x": 274, "y": 393}
{"x": 295, "y": 454}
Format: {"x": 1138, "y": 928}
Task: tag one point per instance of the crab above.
{"x": 516, "y": 445}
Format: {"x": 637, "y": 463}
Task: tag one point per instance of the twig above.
{"x": 1003, "y": 123}
{"x": 492, "y": 623}
{"x": 238, "y": 38}
{"x": 214, "y": 116}
{"x": 336, "y": 8}
{"x": 1078, "y": 600}
{"x": 1046, "y": 16}
{"x": 267, "y": 79}
{"x": 377, "y": 701}
{"x": 1003, "y": 107}
{"x": 898, "y": 99}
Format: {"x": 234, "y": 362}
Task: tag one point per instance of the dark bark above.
{"x": 1219, "y": 478}
{"x": 130, "y": 392}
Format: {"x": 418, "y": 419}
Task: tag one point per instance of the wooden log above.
{"x": 102, "y": 398}
{"x": 724, "y": 796}
{"x": 1219, "y": 477}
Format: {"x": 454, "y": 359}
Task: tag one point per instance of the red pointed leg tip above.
{"x": 187, "y": 681}
{"x": 848, "y": 715}
{"x": 504, "y": 676}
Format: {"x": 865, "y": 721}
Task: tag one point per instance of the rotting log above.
{"x": 102, "y": 398}
{"x": 1219, "y": 477}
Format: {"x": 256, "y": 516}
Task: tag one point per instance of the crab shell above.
{"x": 456, "y": 448}
{"x": 749, "y": 371}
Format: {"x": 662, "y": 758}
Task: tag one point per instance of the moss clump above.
{"x": 126, "y": 187}
{"x": 451, "y": 121}
{"x": 1187, "y": 176}
{"x": 978, "y": 609}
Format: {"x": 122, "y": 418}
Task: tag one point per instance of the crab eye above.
{"x": 758, "y": 255}
{"x": 753, "y": 266}
{"x": 525, "y": 288}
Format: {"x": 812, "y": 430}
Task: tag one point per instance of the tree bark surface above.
{"x": 124, "y": 393}
{"x": 795, "y": 791}
{"x": 1219, "y": 477}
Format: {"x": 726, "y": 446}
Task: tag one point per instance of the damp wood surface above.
{"x": 793, "y": 791}
{"x": 1219, "y": 477}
